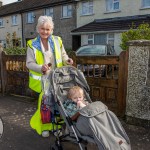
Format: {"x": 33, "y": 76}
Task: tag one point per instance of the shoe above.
{"x": 58, "y": 133}
{"x": 45, "y": 134}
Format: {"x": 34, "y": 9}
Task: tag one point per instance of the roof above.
{"x": 113, "y": 24}
{"x": 28, "y": 5}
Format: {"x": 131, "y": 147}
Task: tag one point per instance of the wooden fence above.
{"x": 108, "y": 86}
{"x": 14, "y": 75}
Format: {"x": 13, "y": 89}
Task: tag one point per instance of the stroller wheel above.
{"x": 56, "y": 147}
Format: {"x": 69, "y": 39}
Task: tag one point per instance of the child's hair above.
{"x": 73, "y": 90}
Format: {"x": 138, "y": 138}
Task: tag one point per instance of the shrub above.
{"x": 142, "y": 32}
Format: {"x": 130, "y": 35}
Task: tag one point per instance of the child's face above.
{"x": 78, "y": 96}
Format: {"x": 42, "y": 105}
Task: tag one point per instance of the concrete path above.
{"x": 16, "y": 113}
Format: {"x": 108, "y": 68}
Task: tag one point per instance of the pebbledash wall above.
{"x": 138, "y": 83}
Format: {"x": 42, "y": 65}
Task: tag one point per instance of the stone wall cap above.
{"x": 139, "y": 43}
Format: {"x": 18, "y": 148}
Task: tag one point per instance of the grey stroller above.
{"x": 96, "y": 124}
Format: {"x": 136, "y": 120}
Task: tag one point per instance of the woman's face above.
{"x": 44, "y": 31}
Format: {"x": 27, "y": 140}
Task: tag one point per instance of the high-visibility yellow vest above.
{"x": 34, "y": 77}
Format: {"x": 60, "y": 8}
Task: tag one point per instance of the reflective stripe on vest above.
{"x": 35, "y": 76}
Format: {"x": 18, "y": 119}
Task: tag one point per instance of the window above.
{"x": 49, "y": 12}
{"x": 1, "y": 22}
{"x": 145, "y": 3}
{"x": 14, "y": 19}
{"x": 110, "y": 39}
{"x": 87, "y": 8}
{"x": 104, "y": 39}
{"x": 112, "y": 5}
{"x": 67, "y": 11}
{"x": 30, "y": 17}
{"x": 91, "y": 39}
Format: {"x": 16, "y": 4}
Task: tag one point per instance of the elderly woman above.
{"x": 45, "y": 49}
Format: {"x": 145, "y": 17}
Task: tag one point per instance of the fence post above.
{"x": 122, "y": 79}
{"x": 3, "y": 72}
{"x": 138, "y": 83}
{"x": 1, "y": 49}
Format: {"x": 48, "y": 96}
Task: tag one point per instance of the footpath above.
{"x": 15, "y": 113}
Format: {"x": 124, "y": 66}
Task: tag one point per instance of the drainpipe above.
{"x": 22, "y": 30}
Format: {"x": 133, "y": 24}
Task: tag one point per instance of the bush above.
{"x": 15, "y": 50}
{"x": 142, "y": 32}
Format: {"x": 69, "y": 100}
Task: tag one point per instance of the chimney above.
{"x": 1, "y": 3}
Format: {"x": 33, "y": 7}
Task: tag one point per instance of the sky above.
{"x": 8, "y": 1}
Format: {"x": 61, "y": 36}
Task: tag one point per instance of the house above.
{"x": 21, "y": 18}
{"x": 103, "y": 21}
{"x": 10, "y": 22}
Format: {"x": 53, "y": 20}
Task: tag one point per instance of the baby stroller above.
{"x": 61, "y": 81}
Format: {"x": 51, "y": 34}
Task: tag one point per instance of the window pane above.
{"x": 90, "y": 39}
{"x": 87, "y": 8}
{"x": 49, "y": 12}
{"x": 30, "y": 17}
{"x": 116, "y": 5}
{"x": 100, "y": 39}
{"x": 1, "y": 22}
{"x": 14, "y": 20}
{"x": 146, "y": 3}
{"x": 112, "y": 5}
{"x": 111, "y": 35}
{"x": 64, "y": 11}
{"x": 67, "y": 11}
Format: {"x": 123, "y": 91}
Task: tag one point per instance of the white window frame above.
{"x": 145, "y": 3}
{"x": 67, "y": 11}
{"x": 1, "y": 22}
{"x": 87, "y": 8}
{"x": 90, "y": 38}
{"x": 14, "y": 20}
{"x": 49, "y": 12}
{"x": 30, "y": 17}
{"x": 111, "y": 4}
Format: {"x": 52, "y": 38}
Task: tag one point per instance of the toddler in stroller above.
{"x": 93, "y": 122}
{"x": 75, "y": 102}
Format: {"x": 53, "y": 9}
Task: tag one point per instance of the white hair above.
{"x": 45, "y": 19}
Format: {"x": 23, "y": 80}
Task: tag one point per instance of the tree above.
{"x": 142, "y": 32}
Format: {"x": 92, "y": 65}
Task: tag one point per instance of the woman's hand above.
{"x": 45, "y": 67}
{"x": 69, "y": 61}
